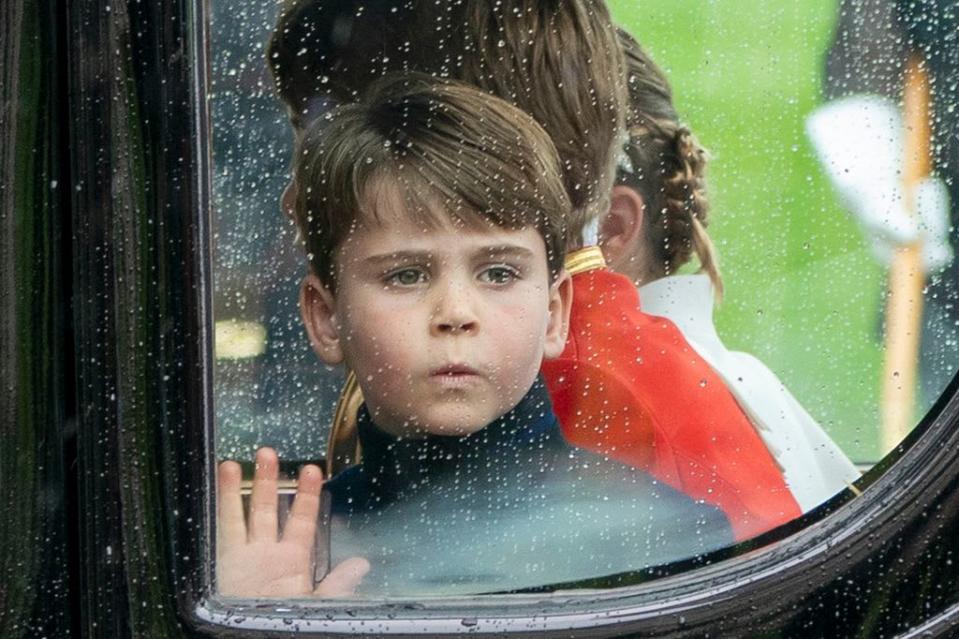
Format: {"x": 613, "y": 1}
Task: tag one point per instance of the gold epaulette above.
{"x": 585, "y": 259}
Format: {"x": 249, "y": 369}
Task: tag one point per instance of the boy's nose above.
{"x": 454, "y": 312}
{"x": 456, "y": 326}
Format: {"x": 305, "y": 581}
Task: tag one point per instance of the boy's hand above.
{"x": 253, "y": 558}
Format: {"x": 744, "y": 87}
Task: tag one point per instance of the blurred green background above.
{"x": 802, "y": 292}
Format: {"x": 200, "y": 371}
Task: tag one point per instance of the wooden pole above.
{"x": 906, "y": 275}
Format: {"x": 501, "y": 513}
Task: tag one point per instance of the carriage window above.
{"x": 545, "y": 321}
{"x": 270, "y": 389}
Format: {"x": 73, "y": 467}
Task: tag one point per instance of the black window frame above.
{"x": 139, "y": 146}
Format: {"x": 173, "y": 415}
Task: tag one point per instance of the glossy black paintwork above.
{"x": 130, "y": 237}
{"x": 138, "y": 211}
{"x": 35, "y": 359}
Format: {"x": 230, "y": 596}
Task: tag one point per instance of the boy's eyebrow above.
{"x": 492, "y": 251}
{"x": 506, "y": 250}
{"x": 397, "y": 256}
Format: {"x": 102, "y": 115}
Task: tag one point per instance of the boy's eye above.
{"x": 406, "y": 277}
{"x": 499, "y": 274}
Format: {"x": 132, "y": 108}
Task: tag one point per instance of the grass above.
{"x": 803, "y": 293}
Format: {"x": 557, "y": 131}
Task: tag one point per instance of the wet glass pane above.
{"x": 805, "y": 120}
{"x": 756, "y": 302}
{"x": 270, "y": 388}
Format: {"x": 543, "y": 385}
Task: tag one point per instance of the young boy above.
{"x": 628, "y": 385}
{"x": 432, "y": 214}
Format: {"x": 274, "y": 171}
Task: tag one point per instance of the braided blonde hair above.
{"x": 666, "y": 164}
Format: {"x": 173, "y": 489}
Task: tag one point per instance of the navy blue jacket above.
{"x": 512, "y": 506}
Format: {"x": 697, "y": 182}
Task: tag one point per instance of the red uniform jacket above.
{"x": 629, "y": 386}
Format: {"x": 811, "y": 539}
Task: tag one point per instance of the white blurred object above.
{"x": 238, "y": 339}
{"x": 859, "y": 142}
{"x": 932, "y": 209}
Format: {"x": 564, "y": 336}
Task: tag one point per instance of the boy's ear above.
{"x": 620, "y": 230}
{"x": 560, "y": 303}
{"x": 318, "y": 310}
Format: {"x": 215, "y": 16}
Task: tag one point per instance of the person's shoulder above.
{"x": 600, "y": 294}
{"x": 586, "y": 465}
{"x": 625, "y": 501}
{"x": 628, "y": 483}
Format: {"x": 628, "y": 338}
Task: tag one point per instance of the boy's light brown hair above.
{"x": 558, "y": 60}
{"x": 452, "y": 153}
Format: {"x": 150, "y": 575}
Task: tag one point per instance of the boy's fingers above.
{"x": 343, "y": 579}
{"x": 263, "y": 499}
{"x": 300, "y": 527}
{"x": 231, "y": 529}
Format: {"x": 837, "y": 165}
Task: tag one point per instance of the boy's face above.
{"x": 444, "y": 327}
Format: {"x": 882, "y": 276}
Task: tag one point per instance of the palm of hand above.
{"x": 265, "y": 568}
{"x": 253, "y": 558}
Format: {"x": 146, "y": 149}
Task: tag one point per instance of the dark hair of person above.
{"x": 557, "y": 60}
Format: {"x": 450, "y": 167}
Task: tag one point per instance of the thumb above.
{"x": 343, "y": 580}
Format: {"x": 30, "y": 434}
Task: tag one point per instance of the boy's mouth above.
{"x": 454, "y": 375}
